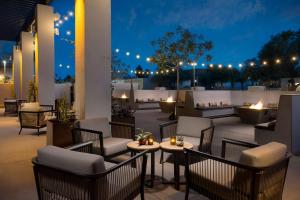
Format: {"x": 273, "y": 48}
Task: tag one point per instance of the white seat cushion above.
{"x": 71, "y": 161}
{"x": 192, "y": 126}
{"x": 32, "y": 107}
{"x": 111, "y": 145}
{"x": 97, "y": 124}
{"x": 264, "y": 156}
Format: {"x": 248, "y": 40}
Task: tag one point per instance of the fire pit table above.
{"x": 254, "y": 116}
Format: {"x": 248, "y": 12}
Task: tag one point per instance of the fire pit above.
{"x": 255, "y": 113}
{"x": 167, "y": 106}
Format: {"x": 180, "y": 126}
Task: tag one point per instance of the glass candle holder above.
{"x": 173, "y": 140}
{"x": 150, "y": 141}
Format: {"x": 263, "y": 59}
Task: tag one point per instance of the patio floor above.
{"x": 16, "y": 151}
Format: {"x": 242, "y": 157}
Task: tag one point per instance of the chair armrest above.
{"x": 166, "y": 129}
{"x": 76, "y": 139}
{"x": 226, "y": 141}
{"x": 122, "y": 130}
{"x": 82, "y": 147}
{"x": 206, "y": 139}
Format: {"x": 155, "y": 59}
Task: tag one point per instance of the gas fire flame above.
{"x": 257, "y": 106}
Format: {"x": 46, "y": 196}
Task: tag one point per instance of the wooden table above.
{"x": 175, "y": 150}
{"x": 134, "y": 147}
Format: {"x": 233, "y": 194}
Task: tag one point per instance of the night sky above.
{"x": 238, "y": 28}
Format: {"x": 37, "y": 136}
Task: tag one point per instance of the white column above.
{"x": 17, "y": 57}
{"x": 93, "y": 58}
{"x": 27, "y": 69}
{"x": 44, "y": 54}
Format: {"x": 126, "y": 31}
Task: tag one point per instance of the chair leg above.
{"x": 142, "y": 195}
{"x": 38, "y": 133}
{"x": 20, "y": 131}
{"x": 187, "y": 191}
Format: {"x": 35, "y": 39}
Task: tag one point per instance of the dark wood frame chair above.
{"x": 251, "y": 181}
{"x": 52, "y": 183}
{"x": 119, "y": 130}
{"x": 168, "y": 129}
{"x": 12, "y": 108}
{"x": 37, "y": 114}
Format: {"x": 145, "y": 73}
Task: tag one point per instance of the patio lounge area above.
{"x": 18, "y": 150}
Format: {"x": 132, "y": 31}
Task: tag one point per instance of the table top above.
{"x": 134, "y": 145}
{"x": 167, "y": 146}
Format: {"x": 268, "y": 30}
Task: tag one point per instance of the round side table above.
{"x": 175, "y": 150}
{"x": 135, "y": 147}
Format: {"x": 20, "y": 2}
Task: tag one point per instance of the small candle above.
{"x": 150, "y": 141}
{"x": 173, "y": 140}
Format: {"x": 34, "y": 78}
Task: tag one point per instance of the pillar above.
{"x": 44, "y": 54}
{"x": 27, "y": 69}
{"x": 93, "y": 58}
{"x": 17, "y": 68}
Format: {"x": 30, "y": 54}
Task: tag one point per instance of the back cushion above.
{"x": 264, "y": 156}
{"x": 34, "y": 106}
{"x": 71, "y": 161}
{"x": 97, "y": 124}
{"x": 192, "y": 126}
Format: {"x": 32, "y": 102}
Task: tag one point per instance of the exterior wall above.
{"x": 17, "y": 67}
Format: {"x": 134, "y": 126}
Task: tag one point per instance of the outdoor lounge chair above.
{"x": 11, "y": 106}
{"x": 109, "y": 138}
{"x": 196, "y": 130}
{"x": 34, "y": 116}
{"x": 75, "y": 173}
{"x": 258, "y": 175}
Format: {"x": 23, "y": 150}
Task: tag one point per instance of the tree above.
{"x": 119, "y": 68}
{"x": 178, "y": 48}
{"x": 281, "y": 46}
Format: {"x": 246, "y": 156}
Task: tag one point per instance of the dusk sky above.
{"x": 237, "y": 28}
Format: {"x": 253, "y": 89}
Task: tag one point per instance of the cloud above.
{"x": 214, "y": 14}
{"x": 132, "y": 18}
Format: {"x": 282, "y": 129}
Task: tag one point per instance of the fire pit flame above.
{"x": 124, "y": 96}
{"x": 170, "y": 99}
{"x": 257, "y": 106}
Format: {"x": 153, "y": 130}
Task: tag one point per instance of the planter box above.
{"x": 59, "y": 134}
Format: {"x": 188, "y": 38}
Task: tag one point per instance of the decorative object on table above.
{"x": 173, "y": 140}
{"x": 142, "y": 136}
{"x": 150, "y": 140}
{"x": 180, "y": 141}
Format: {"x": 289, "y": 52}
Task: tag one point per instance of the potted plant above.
{"x": 59, "y": 129}
{"x": 180, "y": 141}
{"x": 142, "y": 136}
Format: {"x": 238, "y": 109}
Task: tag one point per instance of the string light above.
{"x": 180, "y": 63}
{"x": 240, "y": 65}
{"x": 131, "y": 71}
{"x": 68, "y": 66}
{"x": 230, "y": 66}
{"x": 152, "y": 72}
{"x": 127, "y": 53}
{"x": 294, "y": 58}
{"x": 167, "y": 71}
{"x": 278, "y": 61}
{"x": 220, "y": 66}
{"x": 148, "y": 59}
{"x": 66, "y": 18}
{"x": 173, "y": 69}
{"x": 156, "y": 72}
{"x": 68, "y": 33}
{"x": 71, "y": 14}
{"x": 211, "y": 65}
{"x": 252, "y": 64}
{"x": 60, "y": 65}
{"x": 117, "y": 50}
{"x": 265, "y": 62}
{"x": 60, "y": 21}
{"x": 138, "y": 56}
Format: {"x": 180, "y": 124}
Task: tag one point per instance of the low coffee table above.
{"x": 134, "y": 147}
{"x": 175, "y": 150}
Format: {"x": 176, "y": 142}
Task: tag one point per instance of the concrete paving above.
{"x": 16, "y": 152}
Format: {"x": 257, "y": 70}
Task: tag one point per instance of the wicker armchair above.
{"x": 258, "y": 175}
{"x": 64, "y": 174}
{"x": 35, "y": 117}
{"x": 109, "y": 138}
{"x": 196, "y": 130}
{"x": 11, "y": 106}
